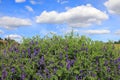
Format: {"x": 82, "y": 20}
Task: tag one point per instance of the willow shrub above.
{"x": 55, "y": 57}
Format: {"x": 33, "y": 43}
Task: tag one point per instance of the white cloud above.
{"x": 80, "y": 16}
{"x": 15, "y": 37}
{"x": 33, "y": 2}
{"x": 113, "y": 6}
{"x": 97, "y": 31}
{"x": 62, "y": 1}
{"x": 13, "y": 22}
{"x": 19, "y": 1}
{"x": 117, "y": 32}
{"x": 29, "y": 8}
{"x": 1, "y": 32}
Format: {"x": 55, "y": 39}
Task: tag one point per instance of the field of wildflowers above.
{"x": 71, "y": 57}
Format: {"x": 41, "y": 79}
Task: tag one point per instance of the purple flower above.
{"x": 32, "y": 42}
{"x": 36, "y": 51}
{"x": 29, "y": 53}
{"x": 4, "y": 74}
{"x": 118, "y": 59}
{"x": 119, "y": 66}
{"x": 47, "y": 73}
{"x": 60, "y": 55}
{"x": 77, "y": 77}
{"x": 93, "y": 75}
{"x": 106, "y": 63}
{"x": 108, "y": 69}
{"x": 41, "y": 60}
{"x": 68, "y": 65}
{"x": 36, "y": 42}
{"x": 5, "y": 51}
{"x": 23, "y": 76}
{"x": 55, "y": 69}
{"x": 13, "y": 70}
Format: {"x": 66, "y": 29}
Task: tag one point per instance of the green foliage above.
{"x": 54, "y": 57}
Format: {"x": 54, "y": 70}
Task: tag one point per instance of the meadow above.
{"x": 69, "y": 57}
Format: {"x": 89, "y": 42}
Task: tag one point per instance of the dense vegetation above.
{"x": 117, "y": 42}
{"x": 70, "y": 57}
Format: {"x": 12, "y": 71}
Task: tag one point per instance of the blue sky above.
{"x": 97, "y": 19}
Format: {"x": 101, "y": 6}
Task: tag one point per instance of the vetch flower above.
{"x": 68, "y": 64}
{"x": 13, "y": 70}
{"x": 5, "y": 52}
{"x": 23, "y": 76}
{"x": 119, "y": 66}
{"x": 4, "y": 74}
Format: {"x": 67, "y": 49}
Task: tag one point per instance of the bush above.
{"x": 70, "y": 57}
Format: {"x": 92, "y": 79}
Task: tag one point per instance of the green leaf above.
{"x": 59, "y": 72}
{"x": 54, "y": 78}
{"x": 76, "y": 71}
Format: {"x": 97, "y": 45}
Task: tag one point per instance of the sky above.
{"x": 96, "y": 19}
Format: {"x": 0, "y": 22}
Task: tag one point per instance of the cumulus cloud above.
{"x": 97, "y": 31}
{"x": 19, "y": 1}
{"x": 29, "y": 8}
{"x": 80, "y": 16}
{"x": 15, "y": 37}
{"x": 117, "y": 32}
{"x": 113, "y": 6}
{"x": 1, "y": 32}
{"x": 13, "y": 22}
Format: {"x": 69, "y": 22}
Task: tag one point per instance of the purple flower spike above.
{"x": 77, "y": 77}
{"x": 23, "y": 76}
{"x": 4, "y": 74}
{"x": 5, "y": 52}
{"x": 13, "y": 70}
{"x": 32, "y": 42}
{"x": 68, "y": 64}
{"x": 29, "y": 53}
{"x": 119, "y": 66}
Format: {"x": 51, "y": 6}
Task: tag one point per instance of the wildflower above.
{"x": 36, "y": 51}
{"x": 60, "y": 56}
{"x": 68, "y": 64}
{"x": 13, "y": 70}
{"x": 108, "y": 69}
{"x": 5, "y": 51}
{"x": 4, "y": 74}
{"x": 119, "y": 66}
{"x": 32, "y": 42}
{"x": 29, "y": 53}
{"x": 23, "y": 76}
{"x": 77, "y": 77}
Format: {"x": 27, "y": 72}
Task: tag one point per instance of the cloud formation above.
{"x": 113, "y": 6}
{"x": 117, "y": 32}
{"x": 29, "y": 8}
{"x": 97, "y": 31}
{"x": 13, "y": 22}
{"x": 80, "y": 16}
{"x": 19, "y": 1}
{"x": 15, "y": 37}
